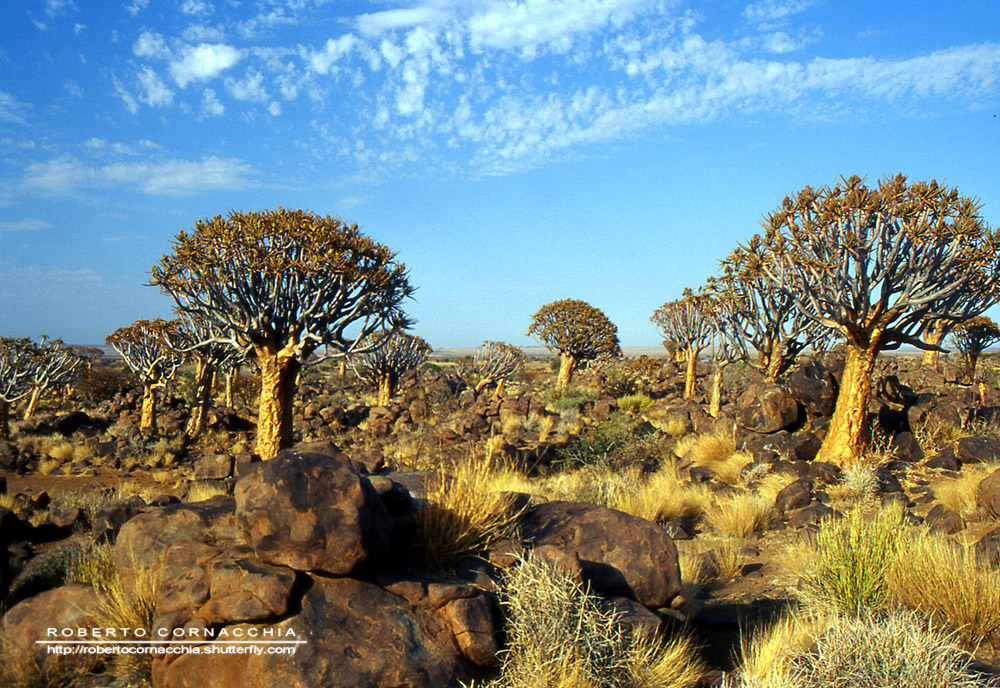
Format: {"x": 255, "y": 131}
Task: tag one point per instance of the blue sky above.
{"x": 513, "y": 152}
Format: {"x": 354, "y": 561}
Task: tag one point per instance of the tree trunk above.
{"x": 971, "y": 359}
{"x": 846, "y": 438}
{"x": 773, "y": 368}
{"x": 279, "y": 370}
{"x": 500, "y": 388}
{"x": 689, "y": 380}
{"x": 36, "y": 394}
{"x": 202, "y": 400}
{"x": 4, "y": 420}
{"x": 343, "y": 368}
{"x": 231, "y": 377}
{"x": 567, "y": 365}
{"x": 148, "y": 418}
{"x": 386, "y": 388}
{"x": 715, "y": 400}
{"x": 933, "y": 335}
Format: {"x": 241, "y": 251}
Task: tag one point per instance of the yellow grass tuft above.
{"x": 739, "y": 515}
{"x": 48, "y": 466}
{"x": 663, "y": 496}
{"x": 768, "y": 652}
{"x": 959, "y": 494}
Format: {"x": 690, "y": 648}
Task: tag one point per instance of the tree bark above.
{"x": 933, "y": 335}
{"x": 773, "y": 368}
{"x": 567, "y": 365}
{"x": 231, "y": 377}
{"x": 847, "y": 436}
{"x": 4, "y": 420}
{"x": 500, "y": 388}
{"x": 33, "y": 403}
{"x": 386, "y": 388}
{"x": 971, "y": 359}
{"x": 148, "y": 418}
{"x": 202, "y": 400}
{"x": 715, "y": 400}
{"x": 279, "y": 370}
{"x": 689, "y": 380}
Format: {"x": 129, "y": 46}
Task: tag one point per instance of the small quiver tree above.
{"x": 88, "y": 354}
{"x": 971, "y": 338}
{"x": 577, "y": 332}
{"x": 52, "y": 364}
{"x": 15, "y": 376}
{"x": 874, "y": 265}
{"x": 389, "y": 356}
{"x": 684, "y": 323}
{"x": 285, "y": 282}
{"x": 727, "y": 345}
{"x": 213, "y": 353}
{"x": 495, "y": 363}
{"x": 152, "y": 349}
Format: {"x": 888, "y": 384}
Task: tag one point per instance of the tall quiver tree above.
{"x": 872, "y": 265}
{"x": 685, "y": 324}
{"x": 577, "y": 332}
{"x": 762, "y": 312}
{"x": 53, "y": 363}
{"x": 15, "y": 376}
{"x": 392, "y": 355}
{"x": 213, "y": 353}
{"x": 152, "y": 349}
{"x": 285, "y": 282}
{"x": 971, "y": 338}
{"x": 495, "y": 362}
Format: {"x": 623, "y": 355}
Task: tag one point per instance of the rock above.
{"x": 977, "y": 449}
{"x": 824, "y": 472}
{"x": 619, "y": 554}
{"x": 109, "y": 520}
{"x": 70, "y": 607}
{"x": 988, "y": 548}
{"x": 946, "y": 460}
{"x": 766, "y": 408}
{"x": 887, "y": 482}
{"x": 311, "y": 512}
{"x": 941, "y": 519}
{"x": 803, "y": 446}
{"x": 906, "y": 448}
{"x": 814, "y": 513}
{"x": 72, "y": 422}
{"x": 988, "y": 494}
{"x": 68, "y": 517}
{"x": 679, "y": 529}
{"x": 794, "y": 496}
{"x": 635, "y": 617}
{"x": 474, "y": 626}
{"x": 213, "y": 467}
{"x": 813, "y": 386}
{"x": 356, "y": 635}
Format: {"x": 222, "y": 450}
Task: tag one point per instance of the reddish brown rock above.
{"x": 311, "y": 512}
{"x": 766, "y": 408}
{"x": 988, "y": 494}
{"x": 475, "y": 627}
{"x": 67, "y": 607}
{"x": 620, "y": 554}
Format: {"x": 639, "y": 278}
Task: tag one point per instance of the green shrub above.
{"x": 618, "y": 382}
{"x": 634, "y": 403}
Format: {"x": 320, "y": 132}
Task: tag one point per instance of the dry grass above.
{"x": 935, "y": 574}
{"x": 663, "y": 496}
{"x": 127, "y": 602}
{"x": 859, "y": 484}
{"x": 200, "y": 491}
{"x": 62, "y": 451}
{"x": 20, "y": 667}
{"x": 716, "y": 450}
{"x": 48, "y": 466}
{"x": 726, "y": 559}
{"x": 767, "y": 654}
{"x": 738, "y": 515}
{"x": 959, "y": 494}
{"x": 463, "y": 515}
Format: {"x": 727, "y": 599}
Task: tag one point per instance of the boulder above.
{"x": 356, "y": 635}
{"x": 813, "y": 386}
{"x": 766, "y": 408}
{"x": 794, "y": 496}
{"x": 946, "y": 460}
{"x": 70, "y": 607}
{"x": 941, "y": 519}
{"x": 213, "y": 467}
{"x": 977, "y": 449}
{"x": 619, "y": 554}
{"x": 311, "y": 512}
{"x": 988, "y": 494}
{"x": 988, "y": 548}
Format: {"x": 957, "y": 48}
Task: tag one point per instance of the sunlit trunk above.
{"x": 231, "y": 377}
{"x": 567, "y": 365}
{"x": 847, "y": 436}
{"x": 36, "y": 394}
{"x": 773, "y": 368}
{"x": 279, "y": 370}
{"x": 933, "y": 336}
{"x": 202, "y": 400}
{"x": 386, "y": 388}
{"x": 715, "y": 399}
{"x": 148, "y": 417}
{"x": 689, "y": 380}
{"x": 500, "y": 388}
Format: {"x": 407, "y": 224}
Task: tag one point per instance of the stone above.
{"x": 906, "y": 448}
{"x": 977, "y": 449}
{"x": 941, "y": 519}
{"x": 70, "y": 606}
{"x": 988, "y": 548}
{"x": 794, "y": 496}
{"x": 311, "y": 512}
{"x": 766, "y": 408}
{"x": 946, "y": 460}
{"x": 988, "y": 494}
{"x": 619, "y": 554}
{"x": 813, "y": 386}
{"x": 213, "y": 467}
{"x": 474, "y": 625}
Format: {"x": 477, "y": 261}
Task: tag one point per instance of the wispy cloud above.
{"x": 67, "y": 174}
{"x": 203, "y": 62}
{"x": 28, "y": 224}
{"x": 12, "y": 110}
{"x": 769, "y": 11}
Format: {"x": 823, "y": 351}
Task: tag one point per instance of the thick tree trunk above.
{"x": 483, "y": 384}
{"x": 500, "y": 388}
{"x": 847, "y": 436}
{"x": 279, "y": 370}
{"x": 689, "y": 380}
{"x": 971, "y": 359}
{"x": 4, "y": 420}
{"x": 202, "y": 400}
{"x": 231, "y": 377}
{"x": 386, "y": 388}
{"x": 933, "y": 335}
{"x": 715, "y": 399}
{"x": 773, "y": 368}
{"x": 36, "y": 394}
{"x": 343, "y": 368}
{"x": 567, "y": 365}
{"x": 148, "y": 418}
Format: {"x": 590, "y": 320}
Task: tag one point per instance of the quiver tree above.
{"x": 873, "y": 265}
{"x": 16, "y": 356}
{"x": 213, "y": 353}
{"x": 52, "y": 363}
{"x": 762, "y": 312}
{"x": 389, "y": 356}
{"x": 971, "y": 338}
{"x": 152, "y": 349}
{"x": 577, "y": 332}
{"x": 976, "y": 297}
{"x": 728, "y": 345}
{"x": 685, "y": 324}
{"x": 285, "y": 283}
{"x": 495, "y": 362}
{"x": 88, "y": 354}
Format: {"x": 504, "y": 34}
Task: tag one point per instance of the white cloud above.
{"x": 200, "y": 33}
{"x": 73, "y": 89}
{"x": 136, "y": 7}
{"x": 28, "y": 224}
{"x": 210, "y": 104}
{"x": 155, "y": 91}
{"x": 197, "y": 7}
{"x": 768, "y": 11}
{"x": 335, "y": 50}
{"x": 78, "y": 28}
{"x": 390, "y": 20}
{"x": 779, "y": 42}
{"x": 274, "y": 108}
{"x": 203, "y": 62}
{"x": 251, "y": 88}
{"x": 66, "y": 175}
{"x": 12, "y": 110}
{"x": 151, "y": 44}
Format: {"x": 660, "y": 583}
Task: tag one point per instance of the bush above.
{"x": 634, "y": 403}
{"x": 618, "y": 382}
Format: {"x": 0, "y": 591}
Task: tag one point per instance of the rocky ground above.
{"x": 325, "y": 542}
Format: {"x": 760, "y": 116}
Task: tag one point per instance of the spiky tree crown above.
{"x": 390, "y": 353}
{"x": 685, "y": 323}
{"x": 152, "y": 349}
{"x": 575, "y": 328}
{"x": 498, "y": 360}
{"x": 16, "y": 356}
{"x": 976, "y": 334}
{"x": 286, "y": 278}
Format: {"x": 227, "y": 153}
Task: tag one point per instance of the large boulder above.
{"x": 356, "y": 635}
{"x": 988, "y": 494}
{"x": 977, "y": 449}
{"x": 814, "y": 386}
{"x": 619, "y": 554}
{"x": 68, "y": 607}
{"x": 311, "y": 512}
{"x": 766, "y": 408}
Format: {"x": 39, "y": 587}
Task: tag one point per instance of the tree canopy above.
{"x": 575, "y": 328}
